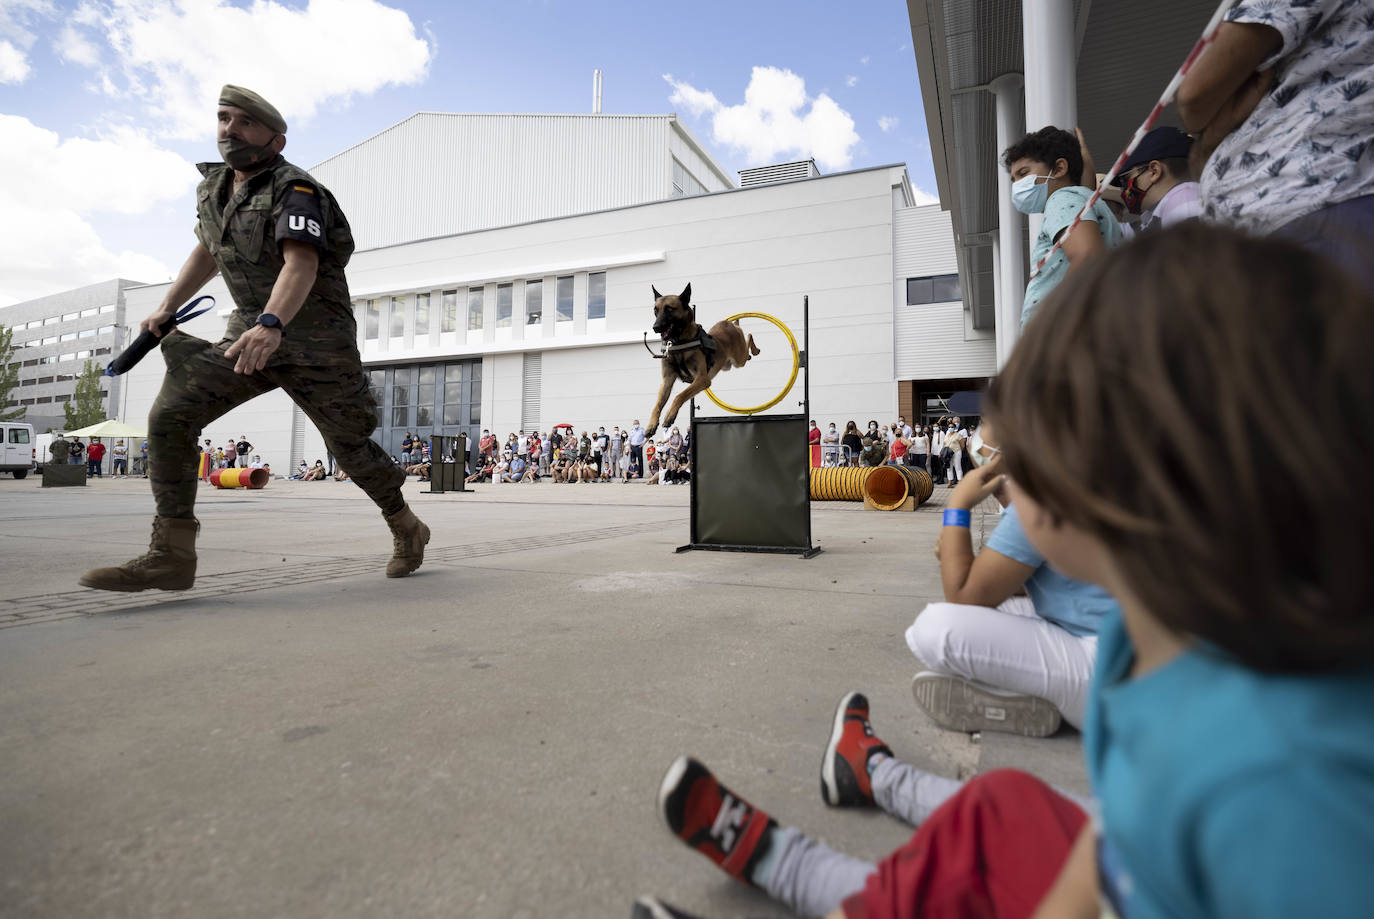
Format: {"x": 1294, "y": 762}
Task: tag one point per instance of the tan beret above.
{"x": 254, "y": 105}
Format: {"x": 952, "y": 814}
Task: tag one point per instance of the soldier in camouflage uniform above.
{"x": 281, "y": 242}
{"x": 59, "y": 449}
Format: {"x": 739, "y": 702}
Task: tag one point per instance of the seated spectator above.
{"x": 1232, "y": 692}
{"x": 874, "y": 451}
{"x": 1028, "y": 659}
{"x": 516, "y": 469}
{"x": 484, "y": 471}
{"x": 257, "y": 463}
{"x": 1046, "y": 169}
{"x": 340, "y": 475}
{"x": 301, "y": 471}
{"x": 655, "y": 469}
{"x": 315, "y": 473}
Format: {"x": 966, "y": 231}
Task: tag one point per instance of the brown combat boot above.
{"x": 169, "y": 565}
{"x": 409, "y": 537}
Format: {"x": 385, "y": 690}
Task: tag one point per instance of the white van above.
{"x": 16, "y": 448}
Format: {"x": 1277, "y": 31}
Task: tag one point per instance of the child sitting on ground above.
{"x": 1229, "y": 736}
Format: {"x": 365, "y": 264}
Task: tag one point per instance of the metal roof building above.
{"x": 436, "y": 174}
{"x": 992, "y": 69}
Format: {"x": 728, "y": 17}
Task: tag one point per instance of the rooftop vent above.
{"x": 779, "y": 172}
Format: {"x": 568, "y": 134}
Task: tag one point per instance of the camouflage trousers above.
{"x": 325, "y": 379}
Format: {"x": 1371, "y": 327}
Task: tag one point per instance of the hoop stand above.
{"x": 757, "y": 494}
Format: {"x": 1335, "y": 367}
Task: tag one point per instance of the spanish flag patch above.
{"x": 303, "y": 188}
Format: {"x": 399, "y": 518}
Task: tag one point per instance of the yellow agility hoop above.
{"x": 796, "y": 364}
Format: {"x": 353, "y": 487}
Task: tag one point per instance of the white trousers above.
{"x": 1009, "y": 649}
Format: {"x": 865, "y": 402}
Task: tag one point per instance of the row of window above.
{"x": 66, "y": 336}
{"x": 63, "y": 358}
{"x": 475, "y": 297}
{"x": 421, "y": 394}
{"x": 48, "y": 400}
{"x": 939, "y": 288}
{"x": 66, "y": 317}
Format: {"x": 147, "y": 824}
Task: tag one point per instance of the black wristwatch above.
{"x": 270, "y": 321}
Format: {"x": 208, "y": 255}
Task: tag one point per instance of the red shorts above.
{"x": 993, "y": 850}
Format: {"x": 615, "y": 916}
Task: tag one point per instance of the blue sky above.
{"x": 106, "y": 104}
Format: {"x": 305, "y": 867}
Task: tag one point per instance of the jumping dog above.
{"x": 691, "y": 354}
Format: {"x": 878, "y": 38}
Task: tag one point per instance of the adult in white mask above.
{"x": 1046, "y": 168}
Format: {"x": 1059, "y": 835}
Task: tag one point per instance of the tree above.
{"x": 87, "y": 407}
{"x": 9, "y": 375}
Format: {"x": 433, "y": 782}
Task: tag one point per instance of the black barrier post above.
{"x": 447, "y": 477}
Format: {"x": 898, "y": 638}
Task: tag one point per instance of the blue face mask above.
{"x": 1029, "y": 194}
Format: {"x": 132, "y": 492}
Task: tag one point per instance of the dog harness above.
{"x": 705, "y": 342}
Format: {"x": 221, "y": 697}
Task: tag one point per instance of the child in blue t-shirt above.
{"x": 1046, "y": 167}
{"x": 1230, "y": 730}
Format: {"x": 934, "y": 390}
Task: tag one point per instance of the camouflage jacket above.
{"x": 244, "y": 230}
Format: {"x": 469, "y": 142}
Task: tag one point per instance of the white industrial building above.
{"x": 513, "y": 291}
{"x": 53, "y": 339}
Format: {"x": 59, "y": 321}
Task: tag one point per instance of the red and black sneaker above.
{"x": 713, "y": 819}
{"x": 844, "y": 771}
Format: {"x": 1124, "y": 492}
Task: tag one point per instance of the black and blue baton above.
{"x": 147, "y": 341}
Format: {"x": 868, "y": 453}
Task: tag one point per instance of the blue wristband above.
{"x": 957, "y": 518}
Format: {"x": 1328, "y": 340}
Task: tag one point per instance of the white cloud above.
{"x": 887, "y": 123}
{"x": 16, "y": 36}
{"x": 921, "y": 196}
{"x": 14, "y": 64}
{"x": 851, "y": 81}
{"x": 72, "y": 46}
{"x": 52, "y": 185}
{"x": 774, "y": 121}
{"x": 173, "y": 56}
{"x": 694, "y": 100}
{"x": 864, "y": 60}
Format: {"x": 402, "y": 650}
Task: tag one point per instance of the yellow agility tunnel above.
{"x": 240, "y": 478}
{"x": 886, "y": 486}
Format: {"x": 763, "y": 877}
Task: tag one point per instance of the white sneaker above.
{"x": 959, "y": 705}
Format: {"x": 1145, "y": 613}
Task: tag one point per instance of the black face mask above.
{"x": 241, "y": 155}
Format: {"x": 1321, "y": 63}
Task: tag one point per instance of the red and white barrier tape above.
{"x": 1208, "y": 34}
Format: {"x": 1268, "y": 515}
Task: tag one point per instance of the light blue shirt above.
{"x": 1072, "y": 605}
{"x": 637, "y": 436}
{"x": 1225, "y": 792}
{"x": 1060, "y": 210}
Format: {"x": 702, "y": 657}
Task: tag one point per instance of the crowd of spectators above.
{"x": 939, "y": 447}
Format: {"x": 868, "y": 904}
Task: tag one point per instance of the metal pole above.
{"x": 1050, "y": 56}
{"x": 1011, "y": 246}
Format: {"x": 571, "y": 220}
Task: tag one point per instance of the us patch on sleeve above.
{"x": 301, "y": 217}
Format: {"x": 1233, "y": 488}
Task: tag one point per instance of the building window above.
{"x": 70, "y": 336}
{"x": 475, "y": 306}
{"x": 373, "y": 322}
{"x": 400, "y": 398}
{"x": 534, "y": 302}
{"x": 398, "y": 317}
{"x": 940, "y": 288}
{"x": 105, "y": 329}
{"x": 42, "y": 380}
{"x": 505, "y": 305}
{"x": 422, "y": 315}
{"x": 108, "y": 308}
{"x": 68, "y": 317}
{"x": 42, "y": 400}
{"x": 424, "y": 401}
{"x": 449, "y": 322}
{"x": 565, "y": 299}
{"x": 596, "y": 295}
{"x": 62, "y": 398}
{"x": 30, "y": 382}
{"x": 684, "y": 183}
{"x": 453, "y": 394}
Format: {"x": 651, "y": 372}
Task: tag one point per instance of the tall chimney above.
{"x": 596, "y": 92}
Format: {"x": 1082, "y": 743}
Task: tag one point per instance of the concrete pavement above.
{"x": 299, "y": 736}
